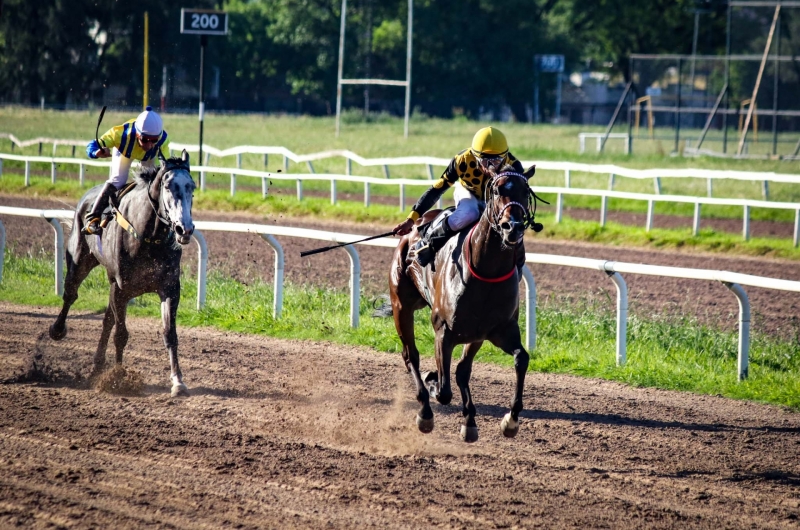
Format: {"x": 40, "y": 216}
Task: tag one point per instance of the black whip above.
{"x": 325, "y": 249}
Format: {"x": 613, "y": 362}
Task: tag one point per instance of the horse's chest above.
{"x": 473, "y": 313}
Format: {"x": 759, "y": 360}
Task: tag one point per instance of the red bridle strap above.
{"x": 475, "y": 274}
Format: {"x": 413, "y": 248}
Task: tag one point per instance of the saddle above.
{"x": 433, "y": 218}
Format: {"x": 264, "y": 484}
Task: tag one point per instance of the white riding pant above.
{"x": 120, "y": 168}
{"x": 468, "y": 208}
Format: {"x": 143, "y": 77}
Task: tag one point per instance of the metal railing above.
{"x": 732, "y": 281}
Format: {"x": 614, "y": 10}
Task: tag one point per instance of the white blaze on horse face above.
{"x": 178, "y": 191}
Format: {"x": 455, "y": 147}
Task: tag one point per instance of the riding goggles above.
{"x": 148, "y": 138}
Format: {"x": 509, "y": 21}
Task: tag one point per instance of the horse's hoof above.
{"x": 469, "y": 434}
{"x": 509, "y": 426}
{"x": 425, "y": 426}
{"x": 58, "y": 334}
{"x": 179, "y": 390}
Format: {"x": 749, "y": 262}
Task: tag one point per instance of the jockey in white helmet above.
{"x": 137, "y": 139}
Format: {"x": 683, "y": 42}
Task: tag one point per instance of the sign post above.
{"x": 552, "y": 64}
{"x": 204, "y": 23}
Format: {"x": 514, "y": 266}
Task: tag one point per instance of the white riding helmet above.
{"x": 149, "y": 123}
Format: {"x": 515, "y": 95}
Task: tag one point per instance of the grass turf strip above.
{"x": 670, "y": 353}
{"x": 276, "y": 206}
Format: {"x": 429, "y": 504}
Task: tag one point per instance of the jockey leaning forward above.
{"x": 136, "y": 139}
{"x": 467, "y": 171}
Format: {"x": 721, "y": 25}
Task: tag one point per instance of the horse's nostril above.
{"x": 178, "y": 230}
{"x": 505, "y": 225}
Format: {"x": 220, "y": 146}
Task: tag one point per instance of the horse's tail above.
{"x": 382, "y": 306}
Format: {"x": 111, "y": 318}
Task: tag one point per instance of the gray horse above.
{"x": 141, "y": 252}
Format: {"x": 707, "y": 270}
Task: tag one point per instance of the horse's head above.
{"x": 508, "y": 203}
{"x": 176, "y": 190}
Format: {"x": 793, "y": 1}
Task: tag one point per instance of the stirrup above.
{"x": 93, "y": 227}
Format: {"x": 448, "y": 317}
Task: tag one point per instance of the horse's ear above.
{"x": 528, "y": 173}
{"x": 161, "y": 157}
{"x": 185, "y": 157}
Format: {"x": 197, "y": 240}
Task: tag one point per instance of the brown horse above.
{"x": 473, "y": 295}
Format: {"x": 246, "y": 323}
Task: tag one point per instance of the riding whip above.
{"x": 97, "y": 130}
{"x": 325, "y": 249}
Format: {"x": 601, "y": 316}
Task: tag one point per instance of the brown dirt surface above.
{"x": 280, "y": 433}
{"x": 247, "y": 258}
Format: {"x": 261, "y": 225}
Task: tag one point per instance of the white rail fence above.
{"x": 265, "y": 177}
{"x": 733, "y": 281}
{"x": 428, "y": 161}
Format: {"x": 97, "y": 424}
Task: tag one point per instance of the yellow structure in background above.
{"x": 743, "y": 105}
{"x": 649, "y": 101}
{"x": 146, "y": 57}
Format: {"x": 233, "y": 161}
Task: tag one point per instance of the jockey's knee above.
{"x": 465, "y": 215}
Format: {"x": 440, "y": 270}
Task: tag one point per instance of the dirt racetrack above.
{"x": 281, "y": 433}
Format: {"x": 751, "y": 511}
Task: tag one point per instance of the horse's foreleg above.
{"x": 77, "y": 271}
{"x": 444, "y": 354}
{"x": 510, "y": 343}
{"x": 469, "y": 429}
{"x": 169, "y": 310}
{"x": 120, "y": 306}
{"x": 100, "y": 354}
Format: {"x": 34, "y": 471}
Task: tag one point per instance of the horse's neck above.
{"x": 487, "y": 253}
{"x": 139, "y": 211}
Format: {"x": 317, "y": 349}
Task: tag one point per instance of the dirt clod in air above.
{"x": 120, "y": 380}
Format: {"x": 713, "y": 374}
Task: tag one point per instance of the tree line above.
{"x": 467, "y": 53}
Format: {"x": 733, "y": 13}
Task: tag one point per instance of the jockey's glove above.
{"x": 92, "y": 149}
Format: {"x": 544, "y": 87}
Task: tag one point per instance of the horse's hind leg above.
{"x": 510, "y": 343}
{"x": 120, "y": 308}
{"x": 405, "y": 301}
{"x": 80, "y": 263}
{"x": 469, "y": 429}
{"x": 100, "y": 354}
{"x": 170, "y": 299}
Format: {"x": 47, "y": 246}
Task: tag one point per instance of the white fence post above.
{"x": 796, "y": 238}
{"x": 285, "y": 163}
{"x": 530, "y": 309}
{"x": 402, "y": 197}
{"x": 567, "y": 178}
{"x": 82, "y": 174}
{"x": 59, "y": 259}
{"x": 27, "y": 173}
{"x": 743, "y": 361}
{"x": 622, "y": 315}
{"x": 239, "y": 161}
{"x": 765, "y": 190}
{"x": 202, "y": 268}
{"x": 333, "y": 192}
{"x": 386, "y": 171}
{"x": 709, "y": 187}
{"x": 277, "y": 298}
{"x": 348, "y": 166}
{"x": 430, "y": 171}
{"x": 366, "y": 194}
{"x": 53, "y": 172}
{"x": 746, "y": 224}
{"x": 611, "y": 182}
{"x": 355, "y": 285}
{"x": 202, "y": 181}
{"x": 233, "y": 184}
{"x": 266, "y": 160}
{"x": 559, "y": 207}
{"x": 696, "y": 220}
{"x": 657, "y": 185}
{"x": 603, "y": 210}
{"x": 299, "y": 190}
{"x": 264, "y": 187}
{"x": 310, "y": 166}
{"x": 1, "y": 167}
{"x": 649, "y": 224}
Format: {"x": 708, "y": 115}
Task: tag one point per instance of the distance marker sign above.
{"x": 204, "y": 22}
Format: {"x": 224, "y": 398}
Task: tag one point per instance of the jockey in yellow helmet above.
{"x": 138, "y": 139}
{"x": 467, "y": 172}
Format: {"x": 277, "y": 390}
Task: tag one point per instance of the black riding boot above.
{"x": 519, "y": 252}
{"x": 100, "y": 204}
{"x": 434, "y": 239}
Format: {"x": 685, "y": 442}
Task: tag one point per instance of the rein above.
{"x": 128, "y": 227}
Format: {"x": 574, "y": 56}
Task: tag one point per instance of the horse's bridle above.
{"x": 528, "y": 211}
{"x": 167, "y": 167}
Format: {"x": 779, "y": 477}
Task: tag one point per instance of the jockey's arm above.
{"x": 429, "y": 198}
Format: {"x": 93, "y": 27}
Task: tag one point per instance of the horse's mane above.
{"x": 147, "y": 174}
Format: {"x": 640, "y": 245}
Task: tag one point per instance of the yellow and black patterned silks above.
{"x": 463, "y": 167}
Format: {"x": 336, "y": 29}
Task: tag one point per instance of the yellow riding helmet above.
{"x": 489, "y": 141}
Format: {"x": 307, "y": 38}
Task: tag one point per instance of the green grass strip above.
{"x": 276, "y": 206}
{"x": 580, "y": 339}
